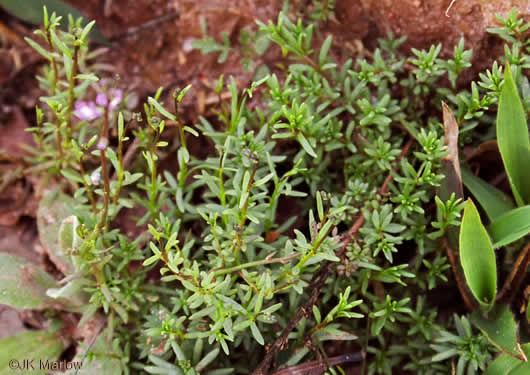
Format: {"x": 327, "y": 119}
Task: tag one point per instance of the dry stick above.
{"x": 318, "y": 366}
{"x": 458, "y": 277}
{"x": 449, "y": 8}
{"x": 318, "y": 281}
{"x": 516, "y": 277}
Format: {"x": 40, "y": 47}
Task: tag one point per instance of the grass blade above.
{"x": 492, "y": 200}
{"x": 512, "y": 138}
{"x": 510, "y": 227}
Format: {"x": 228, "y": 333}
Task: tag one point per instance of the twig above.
{"x": 90, "y": 344}
{"x": 317, "y": 282}
{"x": 449, "y": 8}
{"x": 307, "y": 367}
{"x": 458, "y": 277}
{"x": 516, "y": 277}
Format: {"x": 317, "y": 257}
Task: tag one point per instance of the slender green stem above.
{"x": 71, "y": 86}
{"x": 256, "y": 263}
{"x": 243, "y": 217}
{"x": 52, "y": 61}
{"x": 102, "y": 146}
{"x": 87, "y": 186}
{"x": 120, "y": 172}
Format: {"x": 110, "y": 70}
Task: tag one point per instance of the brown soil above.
{"x": 160, "y": 56}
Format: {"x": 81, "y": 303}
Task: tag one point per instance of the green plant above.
{"x": 313, "y": 219}
{"x": 508, "y": 224}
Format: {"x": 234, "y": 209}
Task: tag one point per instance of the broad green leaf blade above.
{"x": 71, "y": 294}
{"x": 506, "y": 364}
{"x": 23, "y": 284}
{"x": 503, "y": 365}
{"x": 492, "y": 200}
{"x": 53, "y": 209}
{"x": 512, "y": 138}
{"x": 510, "y": 227}
{"x": 31, "y": 11}
{"x": 108, "y": 362}
{"x": 500, "y": 328}
{"x": 477, "y": 257}
{"x": 33, "y": 346}
{"x": 522, "y": 369}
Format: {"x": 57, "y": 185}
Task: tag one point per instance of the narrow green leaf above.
{"x": 305, "y": 144}
{"x": 37, "y": 346}
{"x": 477, "y": 257}
{"x": 87, "y": 29}
{"x": 120, "y": 126}
{"x": 512, "y": 138}
{"x": 161, "y": 109}
{"x": 320, "y": 208}
{"x": 72, "y": 175}
{"x": 499, "y": 327}
{"x": 257, "y": 334}
{"x": 324, "y": 50}
{"x": 191, "y": 131}
{"x": 207, "y": 359}
{"x": 37, "y": 47}
{"x": 510, "y": 227}
{"x": 316, "y": 314}
{"x": 492, "y": 200}
{"x": 23, "y": 284}
{"x": 88, "y": 77}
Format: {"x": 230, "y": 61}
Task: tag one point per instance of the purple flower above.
{"x": 87, "y": 111}
{"x": 101, "y": 100}
{"x": 116, "y": 97}
{"x": 92, "y": 110}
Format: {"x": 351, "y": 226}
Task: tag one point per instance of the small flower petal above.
{"x": 95, "y": 178}
{"x": 87, "y": 111}
{"x": 116, "y": 96}
{"x": 102, "y": 100}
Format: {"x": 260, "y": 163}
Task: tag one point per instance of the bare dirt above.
{"x": 150, "y": 57}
